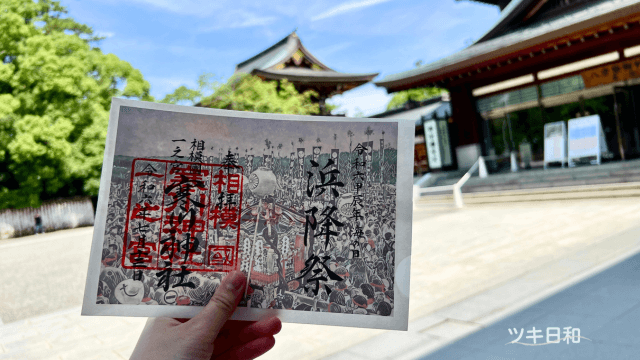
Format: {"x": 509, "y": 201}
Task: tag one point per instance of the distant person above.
{"x": 38, "y": 228}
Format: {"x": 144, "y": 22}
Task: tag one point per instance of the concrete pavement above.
{"x": 61, "y": 258}
{"x": 487, "y": 316}
{"x": 65, "y": 335}
{"x": 469, "y": 268}
{"x": 605, "y": 308}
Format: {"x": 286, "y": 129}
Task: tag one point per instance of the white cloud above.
{"x": 161, "y": 49}
{"x": 341, "y": 9}
{"x": 104, "y": 34}
{"x": 200, "y": 8}
{"x": 254, "y": 21}
{"x": 325, "y": 52}
{"x": 368, "y": 99}
{"x": 222, "y": 14}
{"x": 238, "y": 19}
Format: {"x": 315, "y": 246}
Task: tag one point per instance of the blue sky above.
{"x": 172, "y": 42}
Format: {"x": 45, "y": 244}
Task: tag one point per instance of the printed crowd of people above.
{"x": 363, "y": 267}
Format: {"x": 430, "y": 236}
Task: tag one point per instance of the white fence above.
{"x": 64, "y": 214}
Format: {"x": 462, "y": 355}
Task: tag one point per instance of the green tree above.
{"x": 418, "y": 94}
{"x": 55, "y": 95}
{"x": 247, "y": 93}
{"x": 187, "y": 96}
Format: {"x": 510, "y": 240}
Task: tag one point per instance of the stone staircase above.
{"x": 615, "y": 179}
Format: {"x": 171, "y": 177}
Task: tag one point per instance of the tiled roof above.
{"x": 277, "y": 53}
{"x": 439, "y": 106}
{"x": 513, "y": 39}
{"x": 264, "y": 64}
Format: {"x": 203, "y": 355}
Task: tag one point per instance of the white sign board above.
{"x": 555, "y": 143}
{"x": 586, "y": 138}
{"x": 433, "y": 144}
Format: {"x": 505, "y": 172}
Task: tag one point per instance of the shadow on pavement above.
{"x": 605, "y": 307}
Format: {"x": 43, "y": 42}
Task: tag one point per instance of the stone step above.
{"x": 619, "y": 172}
{"x": 476, "y": 184}
{"x": 472, "y": 187}
{"x": 599, "y": 191}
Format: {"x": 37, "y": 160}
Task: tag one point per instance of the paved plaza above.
{"x": 470, "y": 269}
{"x": 604, "y": 308}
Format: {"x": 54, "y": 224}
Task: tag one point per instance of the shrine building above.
{"x": 289, "y": 59}
{"x": 544, "y": 61}
{"x": 434, "y": 115}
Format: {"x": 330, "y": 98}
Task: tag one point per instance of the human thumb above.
{"x": 221, "y": 306}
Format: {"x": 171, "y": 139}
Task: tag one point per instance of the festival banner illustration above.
{"x": 189, "y": 194}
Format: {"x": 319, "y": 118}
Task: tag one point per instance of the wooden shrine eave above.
{"x": 616, "y": 29}
{"x": 591, "y": 46}
{"x": 516, "y": 12}
{"x": 520, "y": 13}
{"x": 307, "y": 76}
{"x": 588, "y": 93}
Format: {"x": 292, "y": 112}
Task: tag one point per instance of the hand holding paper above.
{"x": 210, "y": 334}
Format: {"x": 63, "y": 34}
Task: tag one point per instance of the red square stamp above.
{"x": 222, "y": 256}
{"x": 175, "y": 212}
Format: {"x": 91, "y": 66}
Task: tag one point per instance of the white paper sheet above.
{"x": 188, "y": 194}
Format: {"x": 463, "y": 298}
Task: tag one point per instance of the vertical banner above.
{"x": 292, "y": 163}
{"x": 445, "y": 145}
{"x": 369, "y": 161}
{"x": 335, "y": 156}
{"x": 433, "y": 144}
{"x": 381, "y": 161}
{"x": 301, "y": 162}
{"x": 316, "y": 153}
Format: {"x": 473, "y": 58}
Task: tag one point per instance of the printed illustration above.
{"x": 306, "y": 209}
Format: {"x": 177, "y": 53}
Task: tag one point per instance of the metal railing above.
{"x": 456, "y": 188}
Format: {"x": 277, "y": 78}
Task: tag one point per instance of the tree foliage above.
{"x": 55, "y": 95}
{"x": 245, "y": 92}
{"x": 418, "y": 94}
{"x": 186, "y": 96}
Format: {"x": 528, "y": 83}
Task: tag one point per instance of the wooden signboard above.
{"x": 620, "y": 71}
